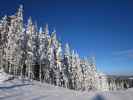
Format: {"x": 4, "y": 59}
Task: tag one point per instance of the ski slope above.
{"x": 17, "y": 89}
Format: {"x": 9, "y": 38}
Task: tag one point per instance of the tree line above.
{"x": 36, "y": 53}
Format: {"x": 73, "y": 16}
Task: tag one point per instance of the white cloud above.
{"x": 124, "y": 52}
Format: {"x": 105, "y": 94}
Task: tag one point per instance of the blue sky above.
{"x": 101, "y": 28}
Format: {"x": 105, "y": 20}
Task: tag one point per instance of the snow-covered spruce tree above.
{"x": 42, "y": 53}
{"x": 13, "y": 46}
{"x": 56, "y": 59}
{"x": 45, "y": 54}
{"x": 26, "y": 50}
{"x": 93, "y": 73}
{"x": 51, "y": 61}
{"x": 59, "y": 78}
{"x": 36, "y": 53}
{"x": 86, "y": 75}
{"x": 72, "y": 71}
{"x": 78, "y": 72}
{"x": 67, "y": 67}
{"x": 19, "y": 31}
{"x": 3, "y": 40}
{"x": 1, "y": 46}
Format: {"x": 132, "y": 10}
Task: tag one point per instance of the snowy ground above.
{"x": 18, "y": 90}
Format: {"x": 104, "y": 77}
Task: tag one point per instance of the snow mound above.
{"x": 4, "y": 76}
{"x": 32, "y": 90}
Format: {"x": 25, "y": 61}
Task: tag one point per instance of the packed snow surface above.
{"x": 17, "y": 89}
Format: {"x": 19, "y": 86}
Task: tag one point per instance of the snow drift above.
{"x": 32, "y": 90}
{"x": 4, "y": 77}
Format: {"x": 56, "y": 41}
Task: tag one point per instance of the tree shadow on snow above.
{"x": 98, "y": 97}
{"x": 3, "y": 88}
{"x": 14, "y": 86}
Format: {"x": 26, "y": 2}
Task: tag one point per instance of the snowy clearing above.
{"x": 18, "y": 90}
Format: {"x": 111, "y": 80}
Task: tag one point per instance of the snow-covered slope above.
{"x": 19, "y": 90}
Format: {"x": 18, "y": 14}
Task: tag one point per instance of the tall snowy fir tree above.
{"x": 72, "y": 71}
{"x": 78, "y": 72}
{"x": 45, "y": 54}
{"x": 43, "y": 50}
{"x": 59, "y": 64}
{"x": 27, "y": 51}
{"x": 67, "y": 65}
{"x": 3, "y": 40}
{"x": 56, "y": 65}
{"x": 36, "y": 53}
{"x": 13, "y": 45}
